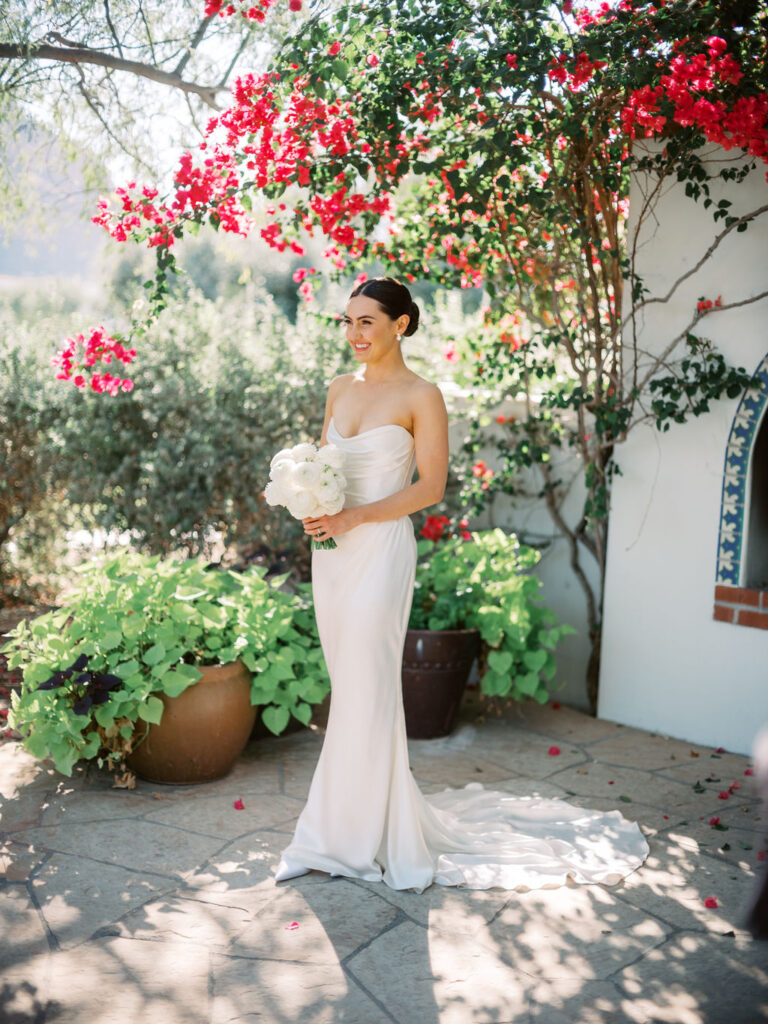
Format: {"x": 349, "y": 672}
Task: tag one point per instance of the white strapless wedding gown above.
{"x": 365, "y": 816}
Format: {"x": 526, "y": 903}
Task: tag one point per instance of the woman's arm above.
{"x": 430, "y": 432}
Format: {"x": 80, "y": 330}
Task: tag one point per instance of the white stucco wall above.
{"x": 666, "y": 664}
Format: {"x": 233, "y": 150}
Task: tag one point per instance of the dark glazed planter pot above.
{"x": 202, "y": 731}
{"x": 436, "y": 665}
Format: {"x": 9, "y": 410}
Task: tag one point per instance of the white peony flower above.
{"x": 307, "y": 474}
{"x": 302, "y": 451}
{"x": 282, "y": 472}
{"x": 274, "y": 494}
{"x": 302, "y": 504}
{"x": 284, "y": 453}
{"x": 331, "y": 455}
{"x": 333, "y": 505}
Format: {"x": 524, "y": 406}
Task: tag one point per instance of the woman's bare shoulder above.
{"x": 340, "y": 383}
{"x": 425, "y": 391}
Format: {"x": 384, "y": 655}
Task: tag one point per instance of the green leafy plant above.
{"x": 136, "y": 627}
{"x": 484, "y": 584}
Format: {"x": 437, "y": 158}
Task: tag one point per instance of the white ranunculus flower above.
{"x": 333, "y": 505}
{"x": 302, "y": 451}
{"x": 274, "y": 494}
{"x": 283, "y": 471}
{"x": 331, "y": 455}
{"x": 284, "y": 453}
{"x": 307, "y": 474}
{"x": 302, "y": 504}
{"x": 330, "y": 485}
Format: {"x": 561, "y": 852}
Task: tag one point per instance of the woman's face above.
{"x": 370, "y": 331}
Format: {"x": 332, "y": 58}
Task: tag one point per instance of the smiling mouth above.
{"x": 361, "y": 348}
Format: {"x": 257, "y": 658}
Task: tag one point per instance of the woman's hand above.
{"x": 323, "y": 527}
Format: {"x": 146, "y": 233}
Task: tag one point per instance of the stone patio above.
{"x": 158, "y": 906}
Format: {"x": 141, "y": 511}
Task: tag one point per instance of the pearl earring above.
{"x": 399, "y": 337}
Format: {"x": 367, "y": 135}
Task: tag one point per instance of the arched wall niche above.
{"x": 741, "y": 582}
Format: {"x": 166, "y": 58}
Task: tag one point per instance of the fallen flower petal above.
{"x": 734, "y": 786}
{"x": 719, "y": 750}
{"x": 239, "y": 805}
{"x": 749, "y": 771}
{"x": 555, "y": 705}
{"x": 761, "y": 854}
{"x": 292, "y": 926}
{"x": 710, "y": 902}
{"x": 666, "y": 816}
{"x": 553, "y": 751}
{"x": 714, "y": 821}
{"x": 723, "y": 794}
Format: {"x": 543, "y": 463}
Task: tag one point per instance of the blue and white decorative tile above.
{"x": 735, "y": 471}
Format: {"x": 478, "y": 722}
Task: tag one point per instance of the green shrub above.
{"x": 484, "y": 584}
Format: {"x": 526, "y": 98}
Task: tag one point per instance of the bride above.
{"x": 365, "y": 816}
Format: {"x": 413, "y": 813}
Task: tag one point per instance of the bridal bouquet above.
{"x": 308, "y": 481}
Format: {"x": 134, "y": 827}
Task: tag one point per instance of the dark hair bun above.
{"x": 393, "y": 297}
{"x": 413, "y": 323}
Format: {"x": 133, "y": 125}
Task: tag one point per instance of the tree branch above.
{"x": 194, "y": 43}
{"x": 85, "y": 55}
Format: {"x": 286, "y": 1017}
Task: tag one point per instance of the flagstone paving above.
{"x": 158, "y": 905}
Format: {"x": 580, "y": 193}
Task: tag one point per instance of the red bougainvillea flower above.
{"x": 334, "y": 48}
{"x": 511, "y": 60}
{"x": 723, "y": 794}
{"x": 239, "y": 805}
{"x": 714, "y": 821}
{"x": 710, "y": 902}
{"x": 435, "y": 527}
{"x": 749, "y": 771}
{"x": 553, "y": 751}
{"x": 294, "y": 5}
{"x": 80, "y": 355}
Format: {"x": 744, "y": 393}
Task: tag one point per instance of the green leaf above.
{"x": 500, "y": 661}
{"x": 152, "y": 710}
{"x": 275, "y": 718}
{"x": 155, "y": 654}
{"x": 535, "y": 660}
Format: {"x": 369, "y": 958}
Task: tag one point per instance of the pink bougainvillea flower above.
{"x": 372, "y": 60}
{"x": 749, "y": 771}
{"x": 553, "y": 751}
{"x": 239, "y": 805}
{"x": 710, "y": 902}
{"x": 292, "y": 926}
{"x": 714, "y": 820}
{"x": 511, "y": 60}
{"x": 294, "y": 5}
{"x": 723, "y": 794}
{"x": 734, "y": 786}
{"x": 334, "y": 48}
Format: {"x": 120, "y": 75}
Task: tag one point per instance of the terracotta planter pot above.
{"x": 202, "y": 732}
{"x": 436, "y": 666}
